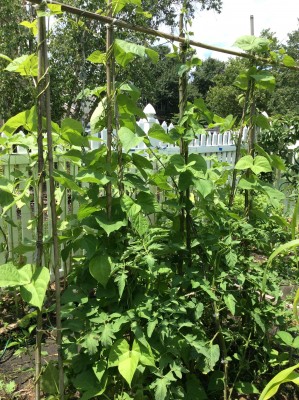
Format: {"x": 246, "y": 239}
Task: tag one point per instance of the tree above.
{"x": 16, "y": 93}
{"x": 203, "y": 76}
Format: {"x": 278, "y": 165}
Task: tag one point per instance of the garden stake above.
{"x": 40, "y": 184}
{"x": 109, "y": 78}
{"x": 56, "y": 261}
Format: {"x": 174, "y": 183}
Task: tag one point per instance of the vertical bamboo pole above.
{"x": 40, "y": 185}
{"x": 56, "y": 260}
{"x": 109, "y": 78}
{"x": 185, "y": 218}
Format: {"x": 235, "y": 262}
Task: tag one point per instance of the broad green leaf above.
{"x": 49, "y": 379}
{"x": 109, "y": 226}
{"x": 128, "y": 139}
{"x": 141, "y": 161}
{"x": 129, "y": 206}
{"x": 25, "y": 65}
{"x": 200, "y": 163}
{"x": 287, "y": 375}
{"x": 277, "y": 162}
{"x": 54, "y": 8}
{"x": 230, "y": 302}
{"x": 264, "y": 80}
{"x": 99, "y": 369}
{"x": 288, "y": 61}
{"x": 10, "y": 276}
{"x": 252, "y": 43}
{"x": 161, "y": 181}
{"x": 26, "y": 119}
{"x": 35, "y": 291}
{"x": 125, "y": 52}
{"x": 161, "y": 388}
{"x": 244, "y": 163}
{"x": 261, "y": 164}
{"x": 146, "y": 354}
{"x": 204, "y": 187}
{"x": 125, "y": 359}
{"x": 67, "y": 181}
{"x": 246, "y": 388}
{"x": 97, "y": 119}
{"x": 97, "y": 57}
{"x": 157, "y": 132}
{"x": 151, "y": 327}
{"x": 30, "y": 25}
{"x": 100, "y": 268}
{"x": 92, "y": 177}
{"x": 262, "y": 121}
{"x": 286, "y": 337}
{"x": 148, "y": 203}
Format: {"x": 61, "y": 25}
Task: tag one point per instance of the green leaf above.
{"x": 204, "y": 187}
{"x": 49, "y": 379}
{"x": 140, "y": 224}
{"x": 141, "y": 162}
{"x": 67, "y": 181}
{"x": 10, "y": 276}
{"x": 257, "y": 165}
{"x": 129, "y": 206}
{"x": 128, "y": 139}
{"x": 286, "y": 337}
{"x": 262, "y": 121}
{"x": 25, "y": 65}
{"x": 157, "y": 132}
{"x": 246, "y": 388}
{"x": 230, "y": 302}
{"x": 91, "y": 342}
{"x": 125, "y": 52}
{"x": 35, "y": 291}
{"x": 288, "y": 61}
{"x": 99, "y": 369}
{"x": 125, "y": 359}
{"x": 198, "y": 311}
{"x": 100, "y": 268}
{"x": 107, "y": 335}
{"x": 148, "y": 203}
{"x": 244, "y": 162}
{"x": 287, "y": 375}
{"x": 109, "y": 226}
{"x": 252, "y": 43}
{"x": 71, "y": 132}
{"x": 97, "y": 57}
{"x": 121, "y": 283}
{"x": 97, "y": 119}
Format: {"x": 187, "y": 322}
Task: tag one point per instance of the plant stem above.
{"x": 238, "y": 147}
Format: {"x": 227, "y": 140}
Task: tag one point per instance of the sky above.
{"x": 223, "y": 29}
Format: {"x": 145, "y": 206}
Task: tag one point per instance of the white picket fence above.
{"x": 17, "y": 239}
{"x": 213, "y": 142}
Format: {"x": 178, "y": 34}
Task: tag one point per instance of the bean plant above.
{"x": 144, "y": 315}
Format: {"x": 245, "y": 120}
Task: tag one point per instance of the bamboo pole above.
{"x": 40, "y": 185}
{"x": 56, "y": 258}
{"x": 153, "y": 32}
{"x": 109, "y": 83}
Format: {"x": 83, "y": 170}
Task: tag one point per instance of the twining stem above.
{"x": 56, "y": 258}
{"x": 238, "y": 145}
{"x": 109, "y": 79}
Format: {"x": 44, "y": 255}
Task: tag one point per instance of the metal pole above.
{"x": 251, "y": 25}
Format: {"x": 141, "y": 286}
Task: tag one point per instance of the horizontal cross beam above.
{"x": 153, "y": 32}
